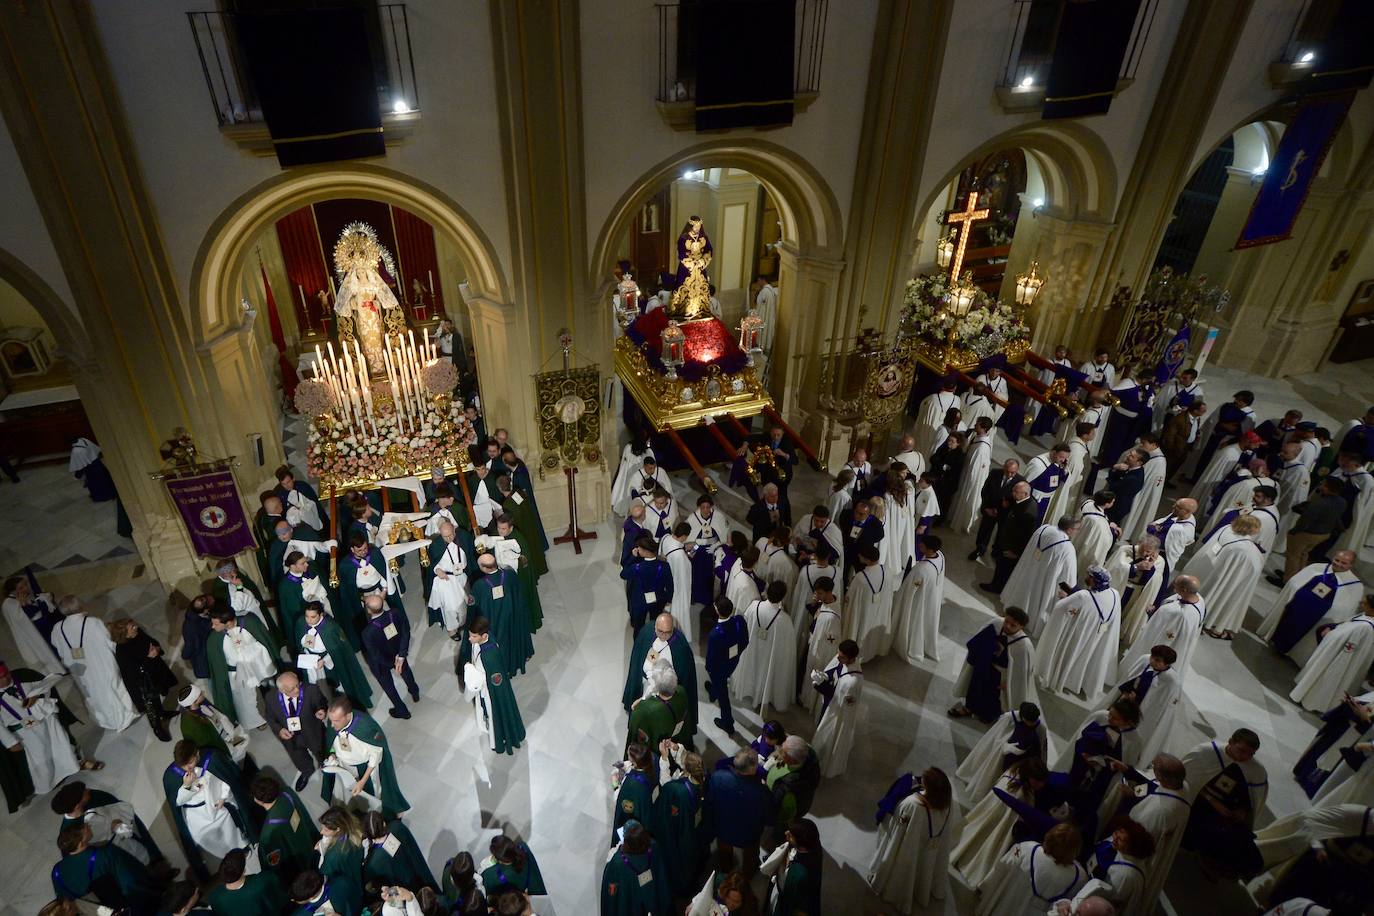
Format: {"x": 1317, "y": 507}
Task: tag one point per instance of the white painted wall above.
{"x": 22, "y": 230}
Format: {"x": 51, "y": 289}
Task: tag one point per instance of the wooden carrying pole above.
{"x": 334, "y": 536}
{"x": 574, "y": 534}
{"x": 692, "y": 462}
{"x": 805, "y": 449}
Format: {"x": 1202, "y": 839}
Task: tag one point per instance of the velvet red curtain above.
{"x": 419, "y": 261}
{"x": 305, "y": 266}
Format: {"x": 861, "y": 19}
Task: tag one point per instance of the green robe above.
{"x": 507, "y": 725}
{"x": 342, "y": 860}
{"x": 655, "y": 719}
{"x": 526, "y": 524}
{"x": 635, "y": 800}
{"x": 276, "y": 554}
{"x": 261, "y": 895}
{"x": 623, "y": 894}
{"x": 678, "y": 825}
{"x": 220, "y": 590}
{"x": 224, "y": 769}
{"x": 407, "y": 868}
{"x": 684, "y": 663}
{"x": 203, "y": 732}
{"x": 291, "y": 601}
{"x": 367, "y": 730}
{"x": 344, "y": 894}
{"x": 529, "y": 879}
{"x": 801, "y": 891}
{"x": 284, "y": 850}
{"x": 347, "y": 673}
{"x": 221, "y": 694}
{"x": 509, "y": 619}
{"x": 350, "y": 604}
{"x": 101, "y": 799}
{"x": 109, "y": 874}
{"x": 529, "y": 581}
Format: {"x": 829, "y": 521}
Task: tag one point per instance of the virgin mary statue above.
{"x": 692, "y": 297}
{"x": 363, "y": 295}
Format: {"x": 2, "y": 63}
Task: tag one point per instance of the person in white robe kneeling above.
{"x": 1078, "y": 649}
{"x": 1018, "y": 735}
{"x": 1095, "y": 535}
{"x": 767, "y": 672}
{"x": 840, "y": 685}
{"x": 1176, "y": 623}
{"x": 29, "y": 725}
{"x": 1231, "y": 564}
{"x": 1030, "y": 876}
{"x": 916, "y": 608}
{"x": 85, "y": 647}
{"x": 1047, "y": 561}
{"x": 911, "y": 865}
{"x": 1340, "y": 664}
{"x": 868, "y": 606}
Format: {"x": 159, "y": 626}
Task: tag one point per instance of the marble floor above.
{"x": 555, "y": 791}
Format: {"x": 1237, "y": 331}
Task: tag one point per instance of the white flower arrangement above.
{"x": 987, "y": 328}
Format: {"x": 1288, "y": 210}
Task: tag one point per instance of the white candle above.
{"x": 333, "y": 290}
{"x": 304, "y": 304}
{"x": 431, "y": 281}
{"x": 395, "y": 390}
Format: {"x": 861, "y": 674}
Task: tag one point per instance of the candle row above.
{"x": 349, "y": 382}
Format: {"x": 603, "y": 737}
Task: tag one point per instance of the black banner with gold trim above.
{"x": 1092, "y": 40}
{"x": 745, "y": 57}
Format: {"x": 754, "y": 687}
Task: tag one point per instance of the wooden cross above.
{"x": 967, "y": 216}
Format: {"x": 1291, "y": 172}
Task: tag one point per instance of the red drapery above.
{"x": 288, "y": 372}
{"x": 305, "y": 267}
{"x": 419, "y": 261}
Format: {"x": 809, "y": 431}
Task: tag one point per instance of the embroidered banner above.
{"x": 1292, "y": 170}
{"x": 213, "y": 513}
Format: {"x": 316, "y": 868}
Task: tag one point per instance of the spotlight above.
{"x": 1307, "y": 58}
{"x": 1027, "y": 82}
{"x": 400, "y": 106}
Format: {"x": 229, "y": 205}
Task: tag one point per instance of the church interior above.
{"x": 399, "y": 289}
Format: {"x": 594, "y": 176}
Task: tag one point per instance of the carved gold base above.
{"x": 942, "y": 358}
{"x": 681, "y": 404}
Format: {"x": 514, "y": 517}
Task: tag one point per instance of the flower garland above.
{"x": 988, "y": 327}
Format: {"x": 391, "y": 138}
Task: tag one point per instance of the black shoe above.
{"x": 974, "y": 555}
{"x": 1275, "y": 578}
{"x": 415, "y": 697}
{"x": 720, "y": 724}
{"x": 302, "y": 781}
{"x": 987, "y": 587}
{"x": 398, "y": 713}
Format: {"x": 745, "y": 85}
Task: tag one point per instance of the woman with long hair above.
{"x": 794, "y": 870}
{"x": 391, "y": 856}
{"x": 144, "y": 672}
{"x": 911, "y": 867}
{"x": 636, "y": 782}
{"x": 341, "y": 845}
{"x": 461, "y": 893}
{"x": 511, "y": 864}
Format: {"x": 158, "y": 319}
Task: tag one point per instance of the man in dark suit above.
{"x": 785, "y": 463}
{"x": 295, "y": 713}
{"x": 995, "y": 497}
{"x": 860, "y": 528}
{"x": 1015, "y": 524}
{"x": 386, "y": 643}
{"x": 768, "y": 513}
{"x": 1125, "y": 480}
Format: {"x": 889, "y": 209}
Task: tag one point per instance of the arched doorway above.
{"x": 793, "y": 199}
{"x": 227, "y": 271}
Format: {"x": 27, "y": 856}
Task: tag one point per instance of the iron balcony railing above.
{"x": 231, "y": 91}
{"x": 677, "y": 25}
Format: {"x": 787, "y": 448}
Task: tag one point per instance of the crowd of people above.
{"x": 1105, "y": 586}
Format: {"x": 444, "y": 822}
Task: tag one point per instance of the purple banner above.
{"x": 213, "y": 513}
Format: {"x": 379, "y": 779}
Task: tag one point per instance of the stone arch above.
{"x": 809, "y": 209}
{"x": 227, "y": 245}
{"x": 64, "y": 324}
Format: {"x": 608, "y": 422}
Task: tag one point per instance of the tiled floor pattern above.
{"x": 554, "y": 791}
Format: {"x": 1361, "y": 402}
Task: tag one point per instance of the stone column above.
{"x": 808, "y": 288}
{"x": 1202, "y": 52}
{"x": 538, "y": 95}
{"x": 146, "y": 378}
{"x": 1067, "y": 253}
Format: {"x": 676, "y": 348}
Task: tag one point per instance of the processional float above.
{"x": 687, "y": 375}
{"x": 381, "y": 406}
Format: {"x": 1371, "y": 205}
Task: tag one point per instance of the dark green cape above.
{"x": 527, "y": 529}
{"x": 344, "y": 894}
{"x": 342, "y": 860}
{"x": 463, "y": 538}
{"x": 367, "y": 730}
{"x": 220, "y": 590}
{"x": 351, "y": 600}
{"x": 529, "y": 879}
{"x": 110, "y": 874}
{"x": 223, "y": 768}
{"x": 261, "y": 895}
{"x": 635, "y": 800}
{"x": 653, "y": 719}
{"x": 203, "y": 732}
{"x": 509, "y": 728}
{"x": 100, "y": 799}
{"x": 621, "y": 891}
{"x": 221, "y": 694}
{"x": 684, "y": 663}
{"x": 346, "y": 671}
{"x": 678, "y": 826}
{"x": 284, "y": 851}
{"x": 509, "y": 619}
{"x": 801, "y": 892}
{"x": 407, "y": 868}
{"x": 291, "y": 601}
{"x": 529, "y": 582}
